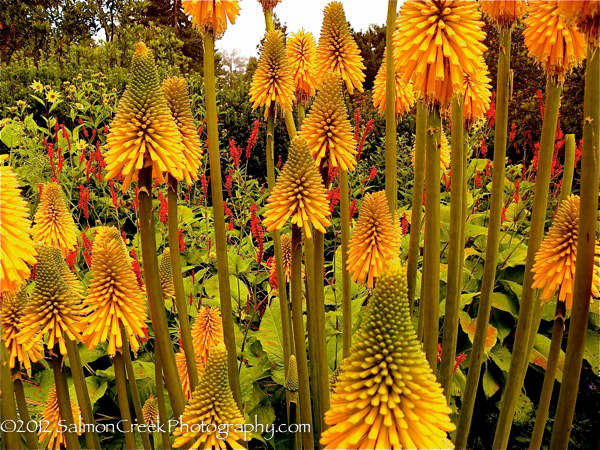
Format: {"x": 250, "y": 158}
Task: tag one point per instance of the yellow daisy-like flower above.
{"x": 52, "y": 429}
{"x": 585, "y": 14}
{"x": 558, "y": 47}
{"x": 37, "y": 86}
{"x": 478, "y": 93}
{"x": 212, "y": 404}
{"x": 554, "y": 266}
{"x": 405, "y": 96}
{"x": 165, "y": 274}
{"x": 13, "y": 309}
{"x": 375, "y": 240}
{"x": 16, "y": 246}
{"x": 445, "y": 153}
{"x": 211, "y": 16}
{"x": 386, "y": 395}
{"x": 150, "y": 410}
{"x": 337, "y": 52}
{"x": 299, "y": 193}
{"x": 176, "y": 93}
{"x": 52, "y": 308}
{"x": 143, "y": 132}
{"x": 435, "y": 42}
{"x": 504, "y": 12}
{"x": 207, "y": 332}
{"x": 301, "y": 53}
{"x": 182, "y": 371}
{"x": 53, "y": 223}
{"x": 52, "y": 96}
{"x": 327, "y": 129}
{"x": 114, "y": 299}
{"x": 272, "y": 83}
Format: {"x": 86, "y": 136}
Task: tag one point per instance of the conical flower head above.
{"x": 585, "y": 14}
{"x": 405, "y": 96}
{"x": 337, "y": 52}
{"x": 327, "y": 128}
{"x": 272, "y": 83}
{"x": 150, "y": 410}
{"x": 445, "y": 153}
{"x": 13, "y": 310}
{"x": 375, "y": 240}
{"x": 554, "y": 266}
{"x": 301, "y": 53}
{"x": 269, "y": 4}
{"x": 286, "y": 255}
{"x": 291, "y": 379}
{"x": 114, "y": 299}
{"x": 165, "y": 274}
{"x": 143, "y": 132}
{"x": 386, "y": 395}
{"x": 558, "y": 47}
{"x": 212, "y": 16}
{"x": 72, "y": 281}
{"x": 434, "y": 43}
{"x": 53, "y": 424}
{"x": 298, "y": 194}
{"x": 54, "y": 224}
{"x": 182, "y": 371}
{"x": 478, "y": 94}
{"x": 207, "y": 332}
{"x": 212, "y": 404}
{"x": 176, "y": 94}
{"x": 504, "y": 12}
{"x": 16, "y": 246}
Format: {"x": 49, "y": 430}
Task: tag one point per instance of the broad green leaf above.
{"x": 501, "y": 356}
{"x": 9, "y": 136}
{"x": 513, "y": 256}
{"x": 524, "y": 409}
{"x": 590, "y": 351}
{"x": 504, "y": 303}
{"x": 96, "y": 388}
{"x": 490, "y": 385}
{"x": 271, "y": 334}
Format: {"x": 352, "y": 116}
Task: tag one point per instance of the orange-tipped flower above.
{"x": 114, "y": 299}
{"x": 212, "y": 404}
{"x": 327, "y": 129}
{"x": 269, "y": 4}
{"x": 207, "y": 332}
{"x": 435, "y": 42}
{"x": 386, "y": 395}
{"x": 558, "y": 47}
{"x": 54, "y": 224}
{"x": 585, "y": 14}
{"x": 554, "y": 266}
{"x": 211, "y": 16}
{"x": 150, "y": 410}
{"x": 504, "y": 12}
{"x": 272, "y": 83}
{"x": 53, "y": 424}
{"x": 176, "y": 94}
{"x": 165, "y": 274}
{"x": 337, "y": 52}
{"x": 182, "y": 371}
{"x": 143, "y": 132}
{"x": 405, "y": 96}
{"x": 286, "y": 255}
{"x": 445, "y": 153}
{"x": 16, "y": 246}
{"x": 299, "y": 193}
{"x": 301, "y": 53}
{"x": 478, "y": 93}
{"x": 375, "y": 240}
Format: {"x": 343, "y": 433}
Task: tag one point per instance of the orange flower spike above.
{"x": 301, "y": 53}
{"x": 53, "y": 422}
{"x": 207, "y": 332}
{"x": 585, "y": 14}
{"x": 504, "y": 12}
{"x": 478, "y": 94}
{"x": 405, "y": 96}
{"x": 183, "y": 373}
{"x": 212, "y": 16}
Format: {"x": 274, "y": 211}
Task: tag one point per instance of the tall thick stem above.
{"x": 346, "y": 293}
{"x": 391, "y": 172}
{"x": 590, "y": 169}
{"x": 522, "y": 346}
{"x": 30, "y": 437}
{"x": 121, "y": 380}
{"x": 569, "y": 168}
{"x": 219, "y": 220}
{"x": 301, "y": 113}
{"x": 160, "y": 399}
{"x": 64, "y": 400}
{"x": 8, "y": 405}
{"x": 290, "y": 124}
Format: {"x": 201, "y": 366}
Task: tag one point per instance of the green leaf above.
{"x": 9, "y": 136}
{"x": 501, "y": 356}
{"x": 271, "y": 334}
{"x": 490, "y": 385}
{"x": 96, "y": 388}
{"x": 504, "y": 303}
{"x": 590, "y": 351}
{"x": 524, "y": 409}
{"x": 513, "y": 256}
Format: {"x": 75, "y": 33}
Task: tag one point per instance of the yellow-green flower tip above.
{"x": 291, "y": 379}
{"x": 166, "y": 275}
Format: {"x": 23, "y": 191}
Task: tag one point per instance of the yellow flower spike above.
{"x": 53, "y": 422}
{"x": 375, "y": 240}
{"x": 286, "y": 255}
{"x": 63, "y": 270}
{"x": 175, "y": 91}
{"x": 150, "y": 410}
{"x": 212, "y": 404}
{"x": 53, "y": 223}
{"x": 558, "y": 47}
{"x": 212, "y": 16}
{"x": 166, "y": 275}
{"x": 554, "y": 266}
{"x": 299, "y": 194}
{"x": 143, "y": 132}
{"x": 16, "y": 246}
{"x": 272, "y": 83}
{"x": 53, "y": 307}
{"x": 291, "y": 383}
{"x": 183, "y": 373}
{"x": 405, "y": 96}
{"x": 434, "y": 43}
{"x": 327, "y": 128}
{"x": 478, "y": 94}
{"x": 13, "y": 309}
{"x": 504, "y": 12}
{"x": 207, "y": 332}
{"x": 114, "y": 299}
{"x": 301, "y": 53}
{"x": 445, "y": 153}
{"x": 585, "y": 14}
{"x": 337, "y": 52}
{"x": 386, "y": 395}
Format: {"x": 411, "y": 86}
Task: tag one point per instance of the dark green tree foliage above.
{"x": 372, "y": 47}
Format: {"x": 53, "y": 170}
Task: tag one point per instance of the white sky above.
{"x": 249, "y": 27}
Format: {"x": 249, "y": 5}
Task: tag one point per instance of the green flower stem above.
{"x": 290, "y": 124}
{"x": 269, "y": 25}
{"x": 569, "y": 168}
{"x": 299, "y": 340}
{"x": 590, "y": 169}
{"x": 521, "y": 349}
{"x": 81, "y": 390}
{"x": 64, "y": 400}
{"x": 154, "y": 292}
{"x": 292, "y": 436}
{"x": 160, "y": 397}
{"x": 493, "y": 238}
{"x": 455, "y": 250}
{"x": 431, "y": 260}
{"x": 346, "y": 293}
{"x": 219, "y": 220}
{"x": 121, "y": 380}
{"x": 391, "y": 172}
{"x": 9, "y": 408}
{"x": 180, "y": 301}
{"x": 417, "y": 201}
{"x": 30, "y": 437}
{"x": 301, "y": 113}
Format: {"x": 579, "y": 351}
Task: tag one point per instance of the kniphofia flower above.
{"x": 585, "y": 14}
{"x": 286, "y": 255}
{"x": 301, "y": 51}
{"x": 182, "y": 371}
{"x": 504, "y": 12}
{"x": 166, "y": 275}
{"x": 478, "y": 94}
{"x": 405, "y": 96}
{"x": 337, "y": 52}
{"x": 16, "y": 246}
{"x": 291, "y": 383}
{"x": 53, "y": 424}
{"x": 269, "y": 4}
{"x": 150, "y": 410}
{"x": 298, "y": 194}
{"x": 386, "y": 395}
{"x": 211, "y": 16}
{"x": 207, "y": 332}
{"x": 375, "y": 240}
